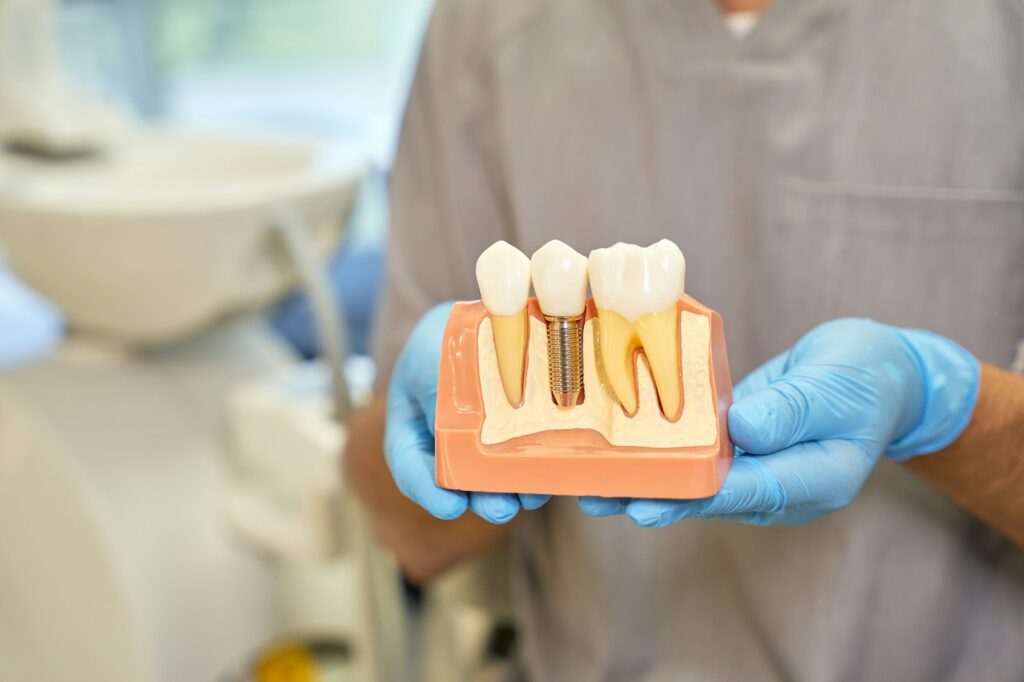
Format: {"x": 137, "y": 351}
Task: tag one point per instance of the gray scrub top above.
{"x": 846, "y": 158}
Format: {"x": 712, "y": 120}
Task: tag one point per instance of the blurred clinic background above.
{"x": 193, "y": 201}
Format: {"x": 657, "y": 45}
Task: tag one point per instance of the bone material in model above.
{"x": 503, "y": 274}
{"x": 697, "y": 426}
{"x": 635, "y": 291}
{"x": 560, "y": 279}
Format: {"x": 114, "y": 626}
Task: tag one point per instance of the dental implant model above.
{"x": 624, "y": 395}
{"x": 560, "y": 280}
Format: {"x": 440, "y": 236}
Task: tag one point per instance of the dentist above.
{"x": 846, "y": 178}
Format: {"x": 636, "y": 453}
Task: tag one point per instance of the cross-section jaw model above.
{"x": 623, "y": 395}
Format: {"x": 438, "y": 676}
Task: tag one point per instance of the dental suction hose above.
{"x": 294, "y": 234}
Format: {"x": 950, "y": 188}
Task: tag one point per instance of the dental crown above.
{"x": 634, "y": 281}
{"x": 503, "y": 274}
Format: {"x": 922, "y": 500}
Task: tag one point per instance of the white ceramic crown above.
{"x": 634, "y": 281}
{"x": 503, "y": 274}
{"x": 560, "y": 279}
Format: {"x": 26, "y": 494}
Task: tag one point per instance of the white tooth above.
{"x": 635, "y": 291}
{"x": 635, "y": 281}
{"x": 560, "y": 279}
{"x": 503, "y": 273}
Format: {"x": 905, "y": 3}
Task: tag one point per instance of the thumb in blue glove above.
{"x": 409, "y": 432}
{"x": 811, "y": 424}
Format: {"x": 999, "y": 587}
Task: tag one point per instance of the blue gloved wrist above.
{"x": 950, "y": 377}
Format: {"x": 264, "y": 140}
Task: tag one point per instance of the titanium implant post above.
{"x": 565, "y": 359}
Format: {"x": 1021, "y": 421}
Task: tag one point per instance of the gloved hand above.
{"x": 811, "y": 424}
{"x": 409, "y": 434}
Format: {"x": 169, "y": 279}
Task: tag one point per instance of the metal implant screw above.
{"x": 565, "y": 359}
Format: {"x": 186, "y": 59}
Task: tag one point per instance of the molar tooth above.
{"x": 503, "y": 275}
{"x": 635, "y": 290}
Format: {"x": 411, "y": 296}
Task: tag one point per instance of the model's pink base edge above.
{"x": 573, "y": 461}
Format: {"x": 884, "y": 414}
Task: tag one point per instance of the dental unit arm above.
{"x": 650, "y": 418}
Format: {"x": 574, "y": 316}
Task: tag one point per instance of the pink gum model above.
{"x": 568, "y": 461}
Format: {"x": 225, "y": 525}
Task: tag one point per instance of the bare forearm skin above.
{"x": 983, "y": 470}
{"x": 424, "y": 546}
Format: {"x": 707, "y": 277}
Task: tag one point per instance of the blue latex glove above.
{"x": 811, "y": 424}
{"x": 409, "y": 434}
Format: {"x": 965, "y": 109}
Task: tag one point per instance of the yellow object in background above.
{"x": 287, "y": 663}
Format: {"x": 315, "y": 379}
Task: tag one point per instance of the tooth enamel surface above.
{"x": 634, "y": 281}
{"x": 503, "y": 274}
{"x": 560, "y": 279}
{"x": 635, "y": 291}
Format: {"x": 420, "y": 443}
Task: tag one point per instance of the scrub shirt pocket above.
{"x": 948, "y": 260}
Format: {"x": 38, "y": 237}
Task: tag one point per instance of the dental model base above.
{"x": 647, "y": 415}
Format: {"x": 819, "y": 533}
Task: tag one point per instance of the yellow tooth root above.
{"x": 658, "y": 335}
{"x": 510, "y": 333}
{"x": 617, "y": 344}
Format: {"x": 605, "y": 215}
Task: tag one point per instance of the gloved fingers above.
{"x": 809, "y": 405}
{"x": 749, "y": 487}
{"x": 661, "y": 513}
{"x": 531, "y": 502}
{"x": 495, "y": 507}
{"x": 666, "y": 512}
{"x": 821, "y": 476}
{"x": 761, "y": 377}
{"x": 603, "y": 506}
{"x": 416, "y": 370}
{"x": 793, "y": 486}
{"x": 409, "y": 450}
{"x": 657, "y": 513}
{"x": 404, "y": 421}
{"x": 414, "y": 476}
{"x": 751, "y": 518}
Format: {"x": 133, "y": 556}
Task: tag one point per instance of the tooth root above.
{"x": 617, "y": 344}
{"x": 510, "y": 346}
{"x": 659, "y": 335}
